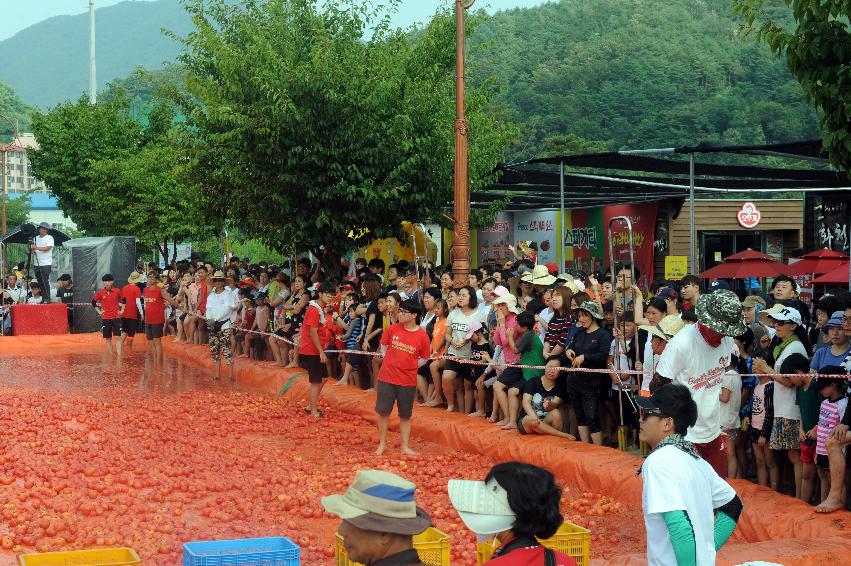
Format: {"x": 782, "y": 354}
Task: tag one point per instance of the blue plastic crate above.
{"x": 271, "y": 551}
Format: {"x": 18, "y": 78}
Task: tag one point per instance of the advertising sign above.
{"x": 676, "y": 266}
{"x": 643, "y": 218}
{"x": 494, "y": 241}
{"x": 538, "y": 227}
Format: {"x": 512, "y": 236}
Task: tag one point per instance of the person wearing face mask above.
{"x": 514, "y": 506}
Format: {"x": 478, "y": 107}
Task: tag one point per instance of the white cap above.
{"x": 482, "y": 506}
{"x": 787, "y": 314}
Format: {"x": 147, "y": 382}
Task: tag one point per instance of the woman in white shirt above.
{"x": 787, "y": 415}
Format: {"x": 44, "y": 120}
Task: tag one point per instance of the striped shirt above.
{"x": 557, "y": 331}
{"x": 830, "y": 415}
{"x": 357, "y": 329}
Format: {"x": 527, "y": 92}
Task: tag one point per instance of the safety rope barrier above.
{"x": 469, "y": 361}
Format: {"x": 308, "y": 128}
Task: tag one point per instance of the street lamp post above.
{"x": 460, "y": 252}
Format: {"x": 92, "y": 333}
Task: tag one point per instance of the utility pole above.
{"x": 92, "y": 67}
{"x": 460, "y": 252}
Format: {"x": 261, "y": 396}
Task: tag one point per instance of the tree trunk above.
{"x": 330, "y": 262}
{"x": 173, "y": 254}
{"x": 164, "y": 251}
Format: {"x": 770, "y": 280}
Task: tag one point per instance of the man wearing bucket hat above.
{"x": 516, "y": 505}
{"x": 379, "y": 518}
{"x": 697, "y": 357}
{"x": 689, "y": 512}
{"x": 43, "y": 247}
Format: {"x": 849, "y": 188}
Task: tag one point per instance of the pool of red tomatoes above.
{"x": 97, "y": 452}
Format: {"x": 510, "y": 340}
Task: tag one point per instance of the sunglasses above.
{"x": 644, "y": 414}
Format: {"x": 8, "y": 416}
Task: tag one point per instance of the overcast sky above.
{"x": 20, "y": 14}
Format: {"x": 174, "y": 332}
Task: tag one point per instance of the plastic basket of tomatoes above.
{"x": 95, "y": 557}
{"x": 431, "y": 544}
{"x": 275, "y": 551}
{"x": 569, "y": 539}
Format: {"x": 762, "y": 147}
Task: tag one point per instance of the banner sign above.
{"x": 494, "y": 241}
{"x": 538, "y": 227}
{"x": 643, "y": 218}
{"x": 584, "y": 239}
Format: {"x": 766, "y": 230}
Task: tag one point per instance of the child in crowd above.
{"x": 35, "y": 297}
{"x": 543, "y": 398}
{"x": 731, "y": 401}
{"x": 832, "y": 409}
{"x": 482, "y": 351}
{"x": 760, "y": 422}
{"x": 262, "y": 317}
{"x": 353, "y": 338}
{"x": 244, "y": 323}
{"x": 531, "y": 350}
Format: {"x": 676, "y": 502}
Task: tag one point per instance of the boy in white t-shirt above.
{"x": 689, "y": 511}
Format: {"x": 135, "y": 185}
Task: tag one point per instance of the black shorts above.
{"x": 354, "y": 360}
{"x": 456, "y": 367}
{"x": 822, "y": 462}
{"x": 111, "y": 327}
{"x": 424, "y": 371}
{"x": 153, "y": 331}
{"x": 128, "y": 326}
{"x": 512, "y": 377}
{"x": 316, "y": 370}
{"x": 388, "y": 394}
{"x": 754, "y": 434}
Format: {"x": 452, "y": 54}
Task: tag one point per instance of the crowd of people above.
{"x": 535, "y": 351}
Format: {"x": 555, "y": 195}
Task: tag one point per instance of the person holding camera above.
{"x": 43, "y": 247}
{"x": 220, "y": 305}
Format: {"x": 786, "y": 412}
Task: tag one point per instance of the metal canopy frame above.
{"x": 602, "y": 179}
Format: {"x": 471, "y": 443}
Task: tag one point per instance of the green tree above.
{"x": 16, "y": 110}
{"x": 306, "y": 123}
{"x": 817, "y": 48}
{"x": 18, "y": 211}
{"x": 113, "y": 175}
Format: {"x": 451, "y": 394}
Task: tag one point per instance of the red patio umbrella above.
{"x": 818, "y": 262}
{"x": 749, "y": 263}
{"x": 836, "y": 277}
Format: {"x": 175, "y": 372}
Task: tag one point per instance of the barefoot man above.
{"x": 405, "y": 347}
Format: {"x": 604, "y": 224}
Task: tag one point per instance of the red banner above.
{"x": 643, "y": 218}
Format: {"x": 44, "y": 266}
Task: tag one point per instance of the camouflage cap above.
{"x": 722, "y": 312}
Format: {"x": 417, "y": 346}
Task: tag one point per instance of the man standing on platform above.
{"x": 43, "y": 248}
{"x": 107, "y": 302}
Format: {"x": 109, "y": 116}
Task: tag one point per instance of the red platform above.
{"x": 39, "y": 319}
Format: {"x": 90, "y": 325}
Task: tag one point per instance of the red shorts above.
{"x": 715, "y": 453}
{"x": 808, "y": 453}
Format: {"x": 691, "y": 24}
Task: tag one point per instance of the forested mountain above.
{"x": 16, "y": 110}
{"x": 622, "y": 73}
{"x": 638, "y": 74}
{"x": 48, "y": 63}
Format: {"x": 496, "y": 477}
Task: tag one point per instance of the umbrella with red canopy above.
{"x": 836, "y": 277}
{"x": 818, "y": 262}
{"x": 742, "y": 265}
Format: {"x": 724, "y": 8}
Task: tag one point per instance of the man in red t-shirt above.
{"x": 131, "y": 296}
{"x": 405, "y": 347}
{"x": 311, "y": 348}
{"x": 107, "y": 302}
{"x": 156, "y": 298}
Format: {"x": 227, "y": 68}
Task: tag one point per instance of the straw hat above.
{"x": 218, "y": 275}
{"x": 381, "y": 502}
{"x": 134, "y": 277}
{"x": 667, "y": 327}
{"x": 540, "y": 275}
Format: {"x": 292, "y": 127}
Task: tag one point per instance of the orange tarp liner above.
{"x": 772, "y": 528}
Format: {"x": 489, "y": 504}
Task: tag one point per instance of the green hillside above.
{"x": 639, "y": 73}
{"x": 48, "y": 62}
{"x": 16, "y": 110}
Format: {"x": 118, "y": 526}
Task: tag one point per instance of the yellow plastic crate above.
{"x": 569, "y": 539}
{"x": 432, "y": 546}
{"x": 95, "y": 557}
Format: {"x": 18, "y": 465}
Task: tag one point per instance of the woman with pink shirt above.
{"x": 505, "y": 306}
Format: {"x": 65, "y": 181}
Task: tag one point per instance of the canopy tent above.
{"x": 744, "y": 265}
{"x": 601, "y": 179}
{"x": 818, "y": 262}
{"x": 838, "y": 276}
